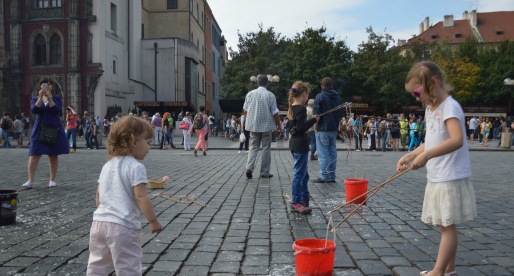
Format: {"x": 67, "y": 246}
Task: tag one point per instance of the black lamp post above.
{"x": 155, "y": 69}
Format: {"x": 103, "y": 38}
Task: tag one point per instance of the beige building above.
{"x": 173, "y": 46}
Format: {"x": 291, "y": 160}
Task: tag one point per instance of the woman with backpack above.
{"x": 201, "y": 127}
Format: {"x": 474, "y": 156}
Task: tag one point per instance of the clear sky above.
{"x": 344, "y": 19}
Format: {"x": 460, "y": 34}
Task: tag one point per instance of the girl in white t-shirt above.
{"x": 120, "y": 199}
{"x": 449, "y": 195}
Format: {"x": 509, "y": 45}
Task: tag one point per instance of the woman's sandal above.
{"x": 425, "y": 273}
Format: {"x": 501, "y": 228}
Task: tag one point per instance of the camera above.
{"x": 44, "y": 86}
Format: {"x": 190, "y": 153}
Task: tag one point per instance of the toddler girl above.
{"x": 120, "y": 199}
{"x": 449, "y": 195}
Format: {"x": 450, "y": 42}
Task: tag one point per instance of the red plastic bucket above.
{"x": 314, "y": 257}
{"x": 354, "y": 188}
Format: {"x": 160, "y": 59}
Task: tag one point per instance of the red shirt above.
{"x": 71, "y": 121}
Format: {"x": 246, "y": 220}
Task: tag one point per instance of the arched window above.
{"x": 55, "y": 49}
{"x": 39, "y": 50}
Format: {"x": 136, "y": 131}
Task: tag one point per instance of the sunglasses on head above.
{"x": 417, "y": 93}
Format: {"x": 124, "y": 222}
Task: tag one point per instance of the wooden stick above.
{"x": 192, "y": 200}
{"x": 175, "y": 200}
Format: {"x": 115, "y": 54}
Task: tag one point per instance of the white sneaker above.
{"x": 239, "y": 151}
{"x": 52, "y": 184}
{"x": 27, "y": 185}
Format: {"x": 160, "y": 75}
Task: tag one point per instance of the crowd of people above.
{"x": 437, "y": 140}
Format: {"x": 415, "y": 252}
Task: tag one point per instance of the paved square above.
{"x": 247, "y": 227}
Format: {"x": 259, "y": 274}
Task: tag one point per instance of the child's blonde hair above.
{"x": 298, "y": 88}
{"x": 124, "y": 131}
{"x": 423, "y": 72}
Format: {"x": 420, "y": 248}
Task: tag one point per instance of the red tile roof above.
{"x": 492, "y": 26}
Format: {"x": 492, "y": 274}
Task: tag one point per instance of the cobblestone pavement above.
{"x": 247, "y": 227}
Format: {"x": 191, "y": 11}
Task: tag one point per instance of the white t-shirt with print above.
{"x": 117, "y": 200}
{"x": 454, "y": 165}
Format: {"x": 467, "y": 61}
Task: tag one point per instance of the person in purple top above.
{"x": 48, "y": 110}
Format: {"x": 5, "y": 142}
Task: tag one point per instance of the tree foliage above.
{"x": 375, "y": 74}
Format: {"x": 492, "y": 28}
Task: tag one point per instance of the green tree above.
{"x": 497, "y": 64}
{"x": 258, "y": 53}
{"x": 378, "y": 73}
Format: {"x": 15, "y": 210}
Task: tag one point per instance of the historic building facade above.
{"x": 46, "y": 38}
{"x": 149, "y": 54}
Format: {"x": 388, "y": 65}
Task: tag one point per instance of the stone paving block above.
{"x": 225, "y": 267}
{"x": 372, "y": 267}
{"x": 256, "y": 260}
{"x": 214, "y": 234}
{"x": 154, "y": 248}
{"x": 200, "y": 258}
{"x": 346, "y": 272}
{"x": 257, "y": 250}
{"x": 342, "y": 259}
{"x": 507, "y": 261}
{"x": 405, "y": 271}
{"x": 386, "y": 252}
{"x": 230, "y": 256}
{"x": 363, "y": 255}
{"x": 233, "y": 246}
{"x": 150, "y": 258}
{"x": 262, "y": 242}
{"x": 208, "y": 248}
{"x": 166, "y": 266}
{"x": 258, "y": 235}
{"x": 10, "y": 270}
{"x": 493, "y": 270}
{"x": 21, "y": 261}
{"x": 176, "y": 255}
{"x": 395, "y": 261}
{"x": 255, "y": 270}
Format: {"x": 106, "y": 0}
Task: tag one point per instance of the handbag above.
{"x": 184, "y": 126}
{"x": 48, "y": 135}
{"x": 242, "y": 137}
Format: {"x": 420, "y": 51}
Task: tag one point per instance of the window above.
{"x": 142, "y": 30}
{"x": 55, "y": 49}
{"x": 56, "y": 3}
{"x": 172, "y": 4}
{"x": 197, "y": 13}
{"x": 39, "y": 50}
{"x": 41, "y": 4}
{"x": 191, "y": 6}
{"x": 113, "y": 17}
{"x": 114, "y": 67}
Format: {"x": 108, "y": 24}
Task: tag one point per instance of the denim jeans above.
{"x": 384, "y": 140}
{"x": 72, "y": 132}
{"x": 312, "y": 142}
{"x": 327, "y": 154}
{"x": 5, "y": 135}
{"x": 92, "y": 136}
{"x": 300, "y": 189}
{"x": 157, "y": 135}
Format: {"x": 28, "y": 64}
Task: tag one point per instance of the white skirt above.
{"x": 448, "y": 203}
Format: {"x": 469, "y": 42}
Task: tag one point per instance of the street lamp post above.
{"x": 509, "y": 81}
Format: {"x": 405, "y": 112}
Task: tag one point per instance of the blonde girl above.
{"x": 120, "y": 199}
{"x": 449, "y": 195}
{"x": 299, "y": 145}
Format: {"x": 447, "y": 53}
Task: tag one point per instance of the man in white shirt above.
{"x": 473, "y": 123}
{"x": 260, "y": 109}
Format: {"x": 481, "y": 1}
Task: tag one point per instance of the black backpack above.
{"x": 6, "y": 123}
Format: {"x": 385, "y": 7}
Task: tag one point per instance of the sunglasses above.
{"x": 417, "y": 93}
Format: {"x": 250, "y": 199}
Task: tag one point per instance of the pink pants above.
{"x": 114, "y": 243}
{"x": 201, "y": 139}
